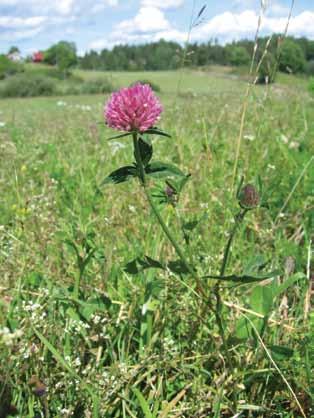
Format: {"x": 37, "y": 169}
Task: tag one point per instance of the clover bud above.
{"x": 39, "y": 388}
{"x": 249, "y": 197}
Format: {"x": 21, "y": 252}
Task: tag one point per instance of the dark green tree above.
{"x": 291, "y": 58}
{"x": 13, "y": 49}
{"x": 63, "y": 55}
{"x": 237, "y": 55}
{"x": 8, "y": 67}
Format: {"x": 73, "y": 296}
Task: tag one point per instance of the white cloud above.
{"x": 228, "y": 26}
{"x": 12, "y": 22}
{"x": 277, "y": 9}
{"x": 111, "y": 3}
{"x": 303, "y": 24}
{"x": 21, "y": 34}
{"x": 231, "y": 26}
{"x": 162, "y": 4}
{"x": 102, "y": 5}
{"x": 64, "y": 7}
{"x": 147, "y": 20}
{"x": 150, "y": 25}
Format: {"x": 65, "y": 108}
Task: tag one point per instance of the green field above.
{"x": 147, "y": 344}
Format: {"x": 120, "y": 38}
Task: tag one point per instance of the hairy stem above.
{"x": 77, "y": 284}
{"x": 238, "y": 220}
{"x": 176, "y": 246}
{"x": 218, "y": 310}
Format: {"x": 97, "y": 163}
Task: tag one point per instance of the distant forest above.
{"x": 293, "y": 54}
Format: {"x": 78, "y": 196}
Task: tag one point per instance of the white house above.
{"x": 15, "y": 56}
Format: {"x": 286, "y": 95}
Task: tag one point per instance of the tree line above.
{"x": 292, "y": 54}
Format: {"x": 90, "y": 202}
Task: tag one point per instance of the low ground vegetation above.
{"x": 137, "y": 342}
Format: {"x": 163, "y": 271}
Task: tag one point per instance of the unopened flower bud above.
{"x": 39, "y": 388}
{"x": 249, "y": 197}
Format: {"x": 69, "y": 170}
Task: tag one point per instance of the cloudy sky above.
{"x": 95, "y": 24}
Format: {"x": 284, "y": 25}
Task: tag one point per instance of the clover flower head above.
{"x": 249, "y": 197}
{"x": 134, "y": 108}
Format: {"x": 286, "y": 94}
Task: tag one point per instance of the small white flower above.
{"x": 294, "y": 145}
{"x": 77, "y": 361}
{"x": 2, "y": 124}
{"x": 116, "y": 146}
{"x": 284, "y": 139}
{"x": 249, "y": 137}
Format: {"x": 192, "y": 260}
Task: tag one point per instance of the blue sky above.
{"x": 94, "y": 24}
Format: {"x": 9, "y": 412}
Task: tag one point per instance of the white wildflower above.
{"x": 116, "y": 146}
{"x": 294, "y": 145}
{"x": 284, "y": 139}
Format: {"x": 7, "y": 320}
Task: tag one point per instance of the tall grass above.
{"x": 144, "y": 331}
{"x": 98, "y": 317}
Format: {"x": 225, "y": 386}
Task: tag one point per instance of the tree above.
{"x": 291, "y": 58}
{"x": 63, "y": 55}
{"x": 14, "y": 49}
{"x": 237, "y": 55}
{"x": 8, "y": 67}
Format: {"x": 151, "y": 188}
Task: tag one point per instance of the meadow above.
{"x": 139, "y": 341}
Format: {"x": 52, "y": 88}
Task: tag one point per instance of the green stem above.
{"x": 138, "y": 159}
{"x": 238, "y": 220}
{"x": 142, "y": 177}
{"x": 77, "y": 283}
{"x": 218, "y": 311}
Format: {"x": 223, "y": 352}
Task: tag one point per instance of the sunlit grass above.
{"x": 144, "y": 331}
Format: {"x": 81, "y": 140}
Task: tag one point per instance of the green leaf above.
{"x": 33, "y": 279}
{"x": 243, "y": 279}
{"x": 178, "y": 267}
{"x": 156, "y": 131}
{"x": 121, "y": 175}
{"x": 254, "y": 265}
{"x": 242, "y": 329}
{"x": 99, "y": 304}
{"x": 140, "y": 264}
{"x": 121, "y": 135}
{"x": 190, "y": 226}
{"x": 158, "y": 169}
{"x": 13, "y": 323}
{"x": 289, "y": 282}
{"x": 146, "y": 150}
{"x": 56, "y": 354}
{"x": 143, "y": 403}
{"x": 261, "y": 299}
{"x": 178, "y": 185}
{"x": 72, "y": 314}
{"x": 281, "y": 352}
